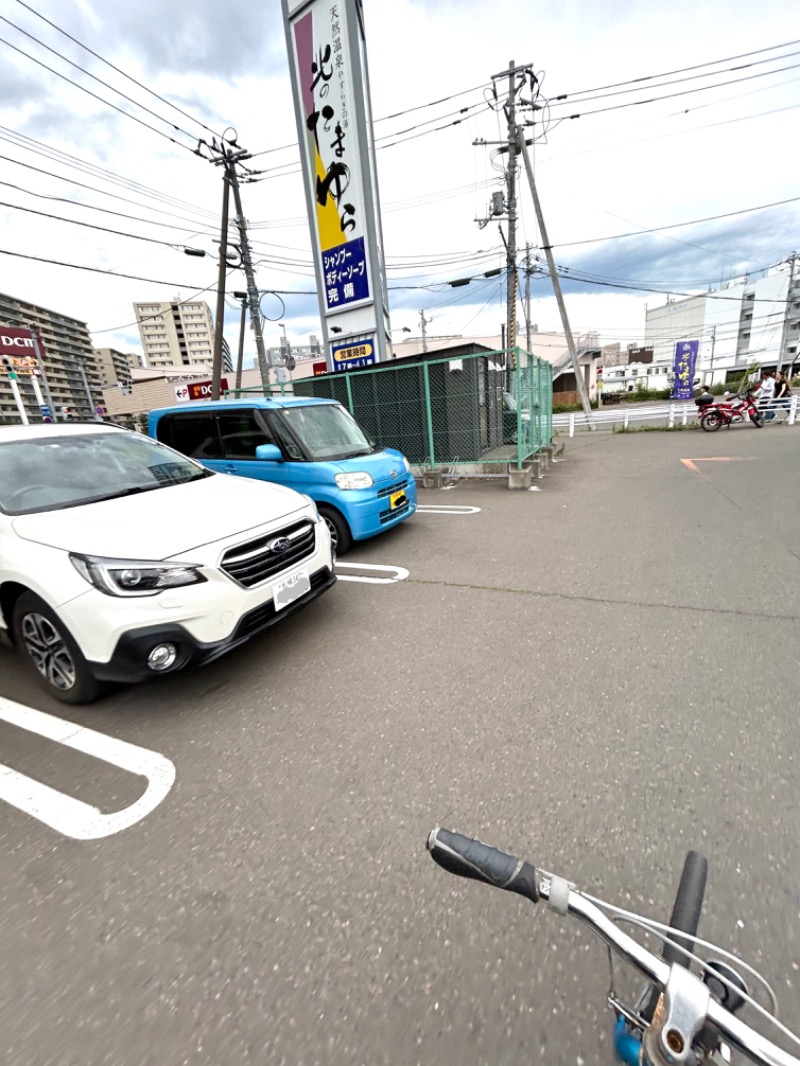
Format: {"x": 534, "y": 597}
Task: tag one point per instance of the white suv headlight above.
{"x": 359, "y": 480}
{"x": 407, "y": 465}
{"x": 134, "y": 577}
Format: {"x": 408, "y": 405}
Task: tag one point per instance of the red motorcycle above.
{"x": 738, "y": 408}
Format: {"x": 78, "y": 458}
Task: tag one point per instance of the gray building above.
{"x": 73, "y": 371}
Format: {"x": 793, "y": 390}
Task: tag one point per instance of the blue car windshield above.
{"x": 327, "y": 431}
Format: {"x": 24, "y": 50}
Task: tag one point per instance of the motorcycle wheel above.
{"x": 757, "y": 420}
{"x": 711, "y": 421}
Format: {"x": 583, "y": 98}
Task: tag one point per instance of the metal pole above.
{"x": 12, "y": 380}
{"x": 512, "y": 279}
{"x": 216, "y": 368}
{"x": 86, "y": 389}
{"x": 792, "y": 260}
{"x": 45, "y": 383}
{"x": 240, "y": 357}
{"x": 37, "y": 392}
{"x": 252, "y": 289}
{"x": 548, "y": 251}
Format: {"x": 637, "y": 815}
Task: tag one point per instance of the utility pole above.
{"x": 249, "y": 273}
{"x": 785, "y": 330}
{"x": 243, "y": 296}
{"x": 424, "y": 322}
{"x": 219, "y": 322}
{"x": 528, "y": 296}
{"x": 228, "y": 159}
{"x": 511, "y": 245}
{"x": 583, "y": 392}
{"x": 711, "y": 357}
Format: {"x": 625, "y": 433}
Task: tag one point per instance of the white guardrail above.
{"x": 677, "y": 413}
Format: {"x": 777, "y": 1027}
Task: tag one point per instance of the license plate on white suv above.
{"x": 291, "y": 589}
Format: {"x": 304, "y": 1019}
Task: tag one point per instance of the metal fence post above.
{"x": 683, "y": 420}
{"x": 671, "y": 419}
{"x": 349, "y": 393}
{"x": 792, "y": 411}
{"x": 427, "y": 384}
{"x": 572, "y": 423}
{"x": 625, "y": 421}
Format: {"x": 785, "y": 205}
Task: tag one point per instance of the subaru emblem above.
{"x": 279, "y": 545}
{"x": 392, "y": 473}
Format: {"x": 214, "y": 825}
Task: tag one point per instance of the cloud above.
{"x": 17, "y": 88}
{"x": 197, "y": 35}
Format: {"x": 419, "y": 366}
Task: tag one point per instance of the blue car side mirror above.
{"x": 269, "y": 453}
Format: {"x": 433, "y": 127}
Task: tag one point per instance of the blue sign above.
{"x": 353, "y": 355}
{"x": 44, "y": 409}
{"x": 344, "y": 270}
{"x": 685, "y": 359}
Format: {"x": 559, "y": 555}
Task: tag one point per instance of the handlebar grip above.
{"x": 470, "y": 858}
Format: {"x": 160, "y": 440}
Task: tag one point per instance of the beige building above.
{"x": 116, "y": 367}
{"x": 180, "y": 333}
{"x": 72, "y": 371}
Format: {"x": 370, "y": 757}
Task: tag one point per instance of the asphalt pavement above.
{"x": 598, "y": 676}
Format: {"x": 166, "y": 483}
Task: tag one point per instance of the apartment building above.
{"x": 72, "y": 372}
{"x": 116, "y": 367}
{"x": 179, "y": 333}
{"x": 745, "y": 321}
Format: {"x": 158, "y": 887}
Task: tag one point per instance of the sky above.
{"x": 686, "y": 120}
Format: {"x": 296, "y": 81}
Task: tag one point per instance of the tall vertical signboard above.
{"x": 685, "y": 360}
{"x": 327, "y": 60}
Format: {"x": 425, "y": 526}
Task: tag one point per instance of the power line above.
{"x": 672, "y": 96}
{"x": 680, "y": 70}
{"x": 88, "y": 225}
{"x": 89, "y": 92}
{"x": 105, "y": 210}
{"x": 561, "y": 100}
{"x": 113, "y": 67}
{"x": 93, "y": 188}
{"x": 385, "y": 118}
{"x": 100, "y": 270}
{"x": 677, "y": 225}
{"x": 94, "y": 77}
{"x": 21, "y": 140}
{"x": 150, "y": 318}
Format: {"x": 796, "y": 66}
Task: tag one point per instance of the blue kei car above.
{"x": 313, "y": 446}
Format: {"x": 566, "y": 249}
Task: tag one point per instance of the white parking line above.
{"x": 433, "y": 509}
{"x": 67, "y": 815}
{"x": 396, "y": 573}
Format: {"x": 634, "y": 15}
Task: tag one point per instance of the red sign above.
{"x": 14, "y": 341}
{"x": 201, "y": 390}
{"x": 319, "y": 368}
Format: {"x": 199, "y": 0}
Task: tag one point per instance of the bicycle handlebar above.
{"x": 470, "y": 858}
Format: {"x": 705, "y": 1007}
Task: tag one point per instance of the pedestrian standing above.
{"x": 766, "y": 395}
{"x": 782, "y": 392}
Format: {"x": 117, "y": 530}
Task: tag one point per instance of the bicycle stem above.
{"x": 735, "y": 1032}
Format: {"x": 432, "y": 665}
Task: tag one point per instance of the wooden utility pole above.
{"x": 583, "y": 392}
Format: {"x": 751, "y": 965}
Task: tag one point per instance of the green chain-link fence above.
{"x": 447, "y": 412}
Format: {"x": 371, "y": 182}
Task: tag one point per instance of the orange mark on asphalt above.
{"x": 690, "y": 463}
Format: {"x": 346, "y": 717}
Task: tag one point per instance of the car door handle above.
{"x": 229, "y": 468}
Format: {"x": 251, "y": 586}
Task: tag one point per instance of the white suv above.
{"x": 121, "y": 559}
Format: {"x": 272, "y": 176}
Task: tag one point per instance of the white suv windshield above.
{"x": 327, "y": 431}
{"x": 48, "y": 473}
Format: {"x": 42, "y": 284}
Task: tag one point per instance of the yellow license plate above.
{"x": 397, "y": 499}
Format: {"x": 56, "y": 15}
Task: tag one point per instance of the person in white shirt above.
{"x": 765, "y": 395}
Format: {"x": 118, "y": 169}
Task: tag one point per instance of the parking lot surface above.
{"x": 597, "y": 676}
